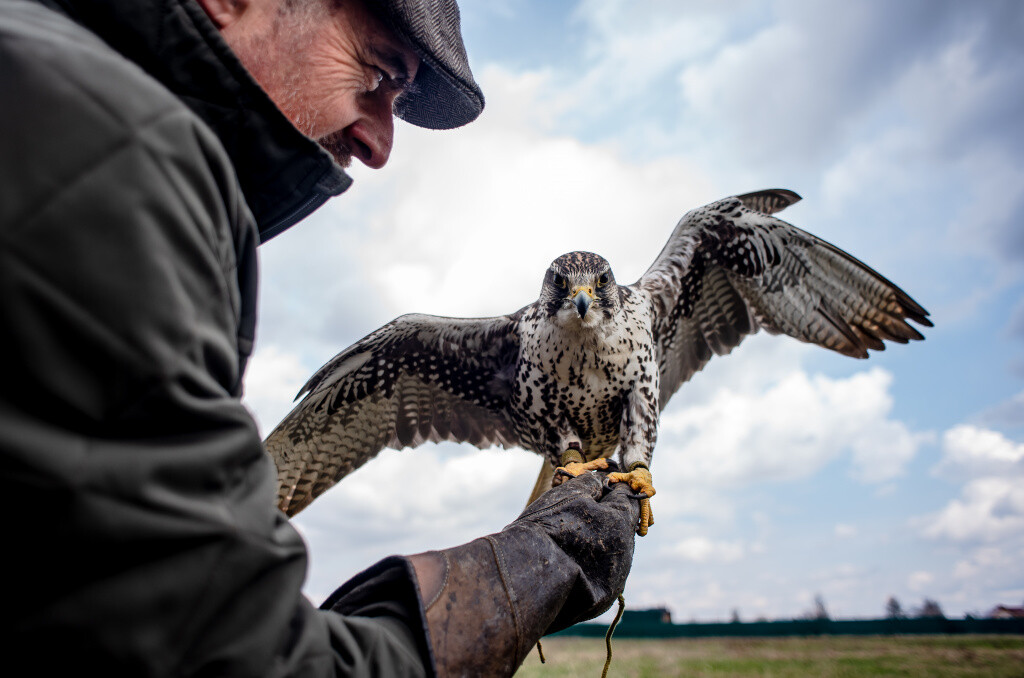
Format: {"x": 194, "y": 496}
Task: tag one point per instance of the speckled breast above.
{"x": 574, "y": 384}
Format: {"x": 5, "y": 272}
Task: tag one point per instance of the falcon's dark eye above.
{"x": 603, "y": 280}
{"x": 560, "y": 281}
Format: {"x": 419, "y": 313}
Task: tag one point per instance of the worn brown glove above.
{"x": 564, "y": 560}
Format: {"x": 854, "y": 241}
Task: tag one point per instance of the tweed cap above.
{"x": 444, "y": 94}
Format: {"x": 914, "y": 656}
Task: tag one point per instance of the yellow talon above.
{"x": 640, "y": 481}
{"x": 573, "y": 465}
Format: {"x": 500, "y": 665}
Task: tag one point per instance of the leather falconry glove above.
{"x": 564, "y": 560}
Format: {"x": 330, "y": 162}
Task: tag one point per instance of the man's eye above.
{"x": 377, "y": 76}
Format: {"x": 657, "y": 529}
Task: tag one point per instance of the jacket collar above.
{"x": 284, "y": 174}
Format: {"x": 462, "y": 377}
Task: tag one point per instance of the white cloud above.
{"x": 877, "y": 166}
{"x": 988, "y": 575}
{"x": 981, "y": 560}
{"x": 434, "y": 497}
{"x": 272, "y": 379}
{"x": 986, "y": 520}
{"x": 797, "y": 88}
{"x": 990, "y": 507}
{"x": 786, "y": 432}
{"x": 701, "y": 549}
{"x": 846, "y": 531}
{"x": 920, "y": 580}
{"x": 468, "y": 221}
{"x": 962, "y": 85}
{"x": 978, "y": 452}
{"x": 632, "y": 52}
{"x": 988, "y": 510}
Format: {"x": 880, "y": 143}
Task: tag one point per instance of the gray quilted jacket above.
{"x": 140, "y": 166}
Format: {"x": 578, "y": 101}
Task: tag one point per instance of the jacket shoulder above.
{"x": 72, "y": 103}
{"x": 46, "y": 53}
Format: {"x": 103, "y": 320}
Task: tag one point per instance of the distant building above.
{"x": 655, "y": 615}
{"x": 1006, "y": 612}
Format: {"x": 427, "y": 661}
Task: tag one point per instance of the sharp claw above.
{"x": 639, "y": 480}
{"x": 646, "y": 517}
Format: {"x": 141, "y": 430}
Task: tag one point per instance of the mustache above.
{"x": 335, "y": 144}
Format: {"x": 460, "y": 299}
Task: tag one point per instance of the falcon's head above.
{"x": 579, "y": 290}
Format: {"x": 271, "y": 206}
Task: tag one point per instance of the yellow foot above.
{"x": 639, "y": 480}
{"x": 573, "y": 465}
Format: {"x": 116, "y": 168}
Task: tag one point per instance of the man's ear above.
{"x": 223, "y": 13}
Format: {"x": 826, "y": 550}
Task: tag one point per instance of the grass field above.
{"x": 831, "y": 656}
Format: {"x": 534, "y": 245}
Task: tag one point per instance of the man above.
{"x": 146, "y": 149}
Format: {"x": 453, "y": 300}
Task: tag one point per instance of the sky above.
{"x": 784, "y": 471}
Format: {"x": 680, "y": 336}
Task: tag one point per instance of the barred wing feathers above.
{"x": 730, "y": 268}
{"x": 419, "y": 378}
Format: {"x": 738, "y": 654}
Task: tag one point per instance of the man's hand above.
{"x": 564, "y": 560}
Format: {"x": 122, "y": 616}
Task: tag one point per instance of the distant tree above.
{"x": 820, "y": 611}
{"x": 930, "y": 610}
{"x": 735, "y": 619}
{"x": 893, "y": 609}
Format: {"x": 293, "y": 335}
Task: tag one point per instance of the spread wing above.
{"x": 419, "y": 378}
{"x": 730, "y": 268}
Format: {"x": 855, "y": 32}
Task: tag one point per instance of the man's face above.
{"x": 334, "y": 72}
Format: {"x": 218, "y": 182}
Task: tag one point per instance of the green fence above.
{"x": 640, "y": 627}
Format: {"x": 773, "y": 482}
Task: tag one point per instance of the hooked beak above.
{"x": 582, "y": 300}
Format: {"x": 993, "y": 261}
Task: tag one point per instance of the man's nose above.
{"x": 374, "y": 133}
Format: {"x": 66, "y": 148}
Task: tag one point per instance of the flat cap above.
{"x": 444, "y": 94}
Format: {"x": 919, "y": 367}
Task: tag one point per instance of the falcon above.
{"x": 586, "y": 370}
